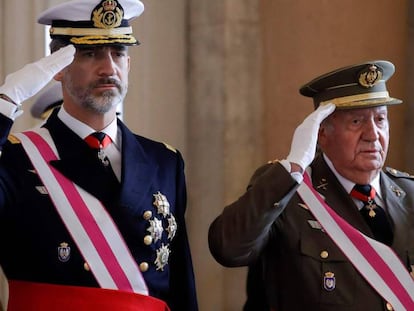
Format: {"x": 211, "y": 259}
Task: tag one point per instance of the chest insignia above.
{"x": 163, "y": 253}
{"x": 172, "y": 227}
{"x": 64, "y": 252}
{"x": 162, "y": 204}
{"x": 329, "y": 281}
{"x": 155, "y": 229}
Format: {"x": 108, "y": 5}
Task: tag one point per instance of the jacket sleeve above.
{"x": 241, "y": 231}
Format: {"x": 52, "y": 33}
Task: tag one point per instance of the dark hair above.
{"x": 56, "y": 44}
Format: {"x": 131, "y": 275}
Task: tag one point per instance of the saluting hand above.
{"x": 29, "y": 80}
{"x": 303, "y": 147}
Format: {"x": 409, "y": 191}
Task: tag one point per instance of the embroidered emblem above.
{"x": 163, "y": 253}
{"x": 329, "y": 281}
{"x": 172, "y": 227}
{"x": 107, "y": 14}
{"x": 64, "y": 252}
{"x": 322, "y": 184}
{"x": 370, "y": 76}
{"x": 397, "y": 191}
{"x": 162, "y": 204}
{"x": 155, "y": 229}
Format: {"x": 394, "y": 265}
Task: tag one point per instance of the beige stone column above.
{"x": 224, "y": 128}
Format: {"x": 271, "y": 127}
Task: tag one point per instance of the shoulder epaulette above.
{"x": 170, "y": 147}
{"x": 398, "y": 174}
{"x": 13, "y": 139}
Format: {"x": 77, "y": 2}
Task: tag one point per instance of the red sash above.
{"x": 28, "y": 296}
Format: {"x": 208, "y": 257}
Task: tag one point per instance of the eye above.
{"x": 381, "y": 120}
{"x": 356, "y": 121}
{"x": 87, "y": 53}
{"x": 119, "y": 53}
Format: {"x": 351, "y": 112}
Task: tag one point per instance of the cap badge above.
{"x": 329, "y": 281}
{"x": 370, "y": 76}
{"x": 107, "y": 14}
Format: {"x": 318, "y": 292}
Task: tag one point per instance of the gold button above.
{"x": 147, "y": 215}
{"x": 389, "y": 307}
{"x": 147, "y": 240}
{"x": 86, "y": 267}
{"x": 324, "y": 254}
{"x": 143, "y": 266}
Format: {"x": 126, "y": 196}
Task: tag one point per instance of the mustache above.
{"x": 107, "y": 81}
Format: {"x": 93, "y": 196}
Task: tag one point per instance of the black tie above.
{"x": 374, "y": 215}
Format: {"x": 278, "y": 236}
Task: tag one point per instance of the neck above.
{"x": 97, "y": 121}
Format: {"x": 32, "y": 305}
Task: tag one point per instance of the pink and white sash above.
{"x": 4, "y": 291}
{"x": 375, "y": 261}
{"x": 86, "y": 219}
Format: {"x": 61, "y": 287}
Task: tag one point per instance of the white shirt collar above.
{"x": 83, "y": 130}
{"x": 347, "y": 184}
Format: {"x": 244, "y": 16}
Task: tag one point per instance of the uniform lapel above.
{"x": 78, "y": 162}
{"x": 326, "y": 183}
{"x": 138, "y": 169}
{"x": 393, "y": 197}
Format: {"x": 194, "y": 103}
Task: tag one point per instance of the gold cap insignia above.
{"x": 107, "y": 14}
{"x": 370, "y": 76}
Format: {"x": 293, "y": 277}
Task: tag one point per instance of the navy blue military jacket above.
{"x": 35, "y": 244}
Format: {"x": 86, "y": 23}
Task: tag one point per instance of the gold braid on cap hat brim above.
{"x": 88, "y": 40}
{"x": 355, "y": 100}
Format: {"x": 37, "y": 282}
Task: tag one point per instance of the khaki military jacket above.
{"x": 270, "y": 223}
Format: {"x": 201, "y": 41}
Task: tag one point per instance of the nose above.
{"x": 371, "y": 131}
{"x": 107, "y": 66}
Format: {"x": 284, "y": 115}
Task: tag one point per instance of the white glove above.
{"x": 29, "y": 80}
{"x": 303, "y": 147}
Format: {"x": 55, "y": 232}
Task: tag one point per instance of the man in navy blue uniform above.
{"x": 109, "y": 215}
